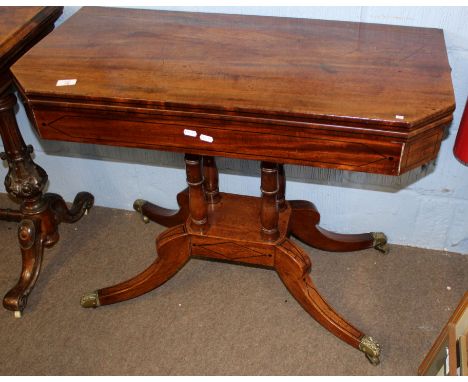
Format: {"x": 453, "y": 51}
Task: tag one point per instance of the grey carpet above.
{"x": 216, "y": 318}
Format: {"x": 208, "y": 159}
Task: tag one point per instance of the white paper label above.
{"x": 399, "y": 116}
{"x": 206, "y": 138}
{"x": 190, "y": 133}
{"x": 71, "y": 82}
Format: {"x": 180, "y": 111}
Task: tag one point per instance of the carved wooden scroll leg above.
{"x": 304, "y": 225}
{"x": 164, "y": 216}
{"x": 83, "y": 202}
{"x": 173, "y": 247}
{"x": 293, "y": 266}
{"x": 10, "y": 215}
{"x": 170, "y": 218}
{"x": 31, "y": 240}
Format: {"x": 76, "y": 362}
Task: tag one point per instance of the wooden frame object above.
{"x": 353, "y": 96}
{"x": 446, "y": 344}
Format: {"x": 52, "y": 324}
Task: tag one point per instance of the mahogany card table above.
{"x": 343, "y": 95}
{"x": 39, "y": 215}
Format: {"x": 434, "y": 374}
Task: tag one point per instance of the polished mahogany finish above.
{"x": 269, "y": 208}
{"x": 211, "y": 180}
{"x": 21, "y": 28}
{"x": 343, "y": 95}
{"x": 197, "y": 202}
{"x": 353, "y": 96}
{"x": 39, "y": 215}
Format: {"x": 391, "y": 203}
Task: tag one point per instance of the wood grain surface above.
{"x": 20, "y": 27}
{"x": 310, "y": 68}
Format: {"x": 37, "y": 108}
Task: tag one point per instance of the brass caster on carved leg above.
{"x": 16, "y": 305}
{"x": 137, "y": 207}
{"x": 371, "y": 349}
{"x": 380, "y": 242}
{"x": 90, "y": 300}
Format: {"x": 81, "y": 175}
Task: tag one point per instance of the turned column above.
{"x": 25, "y": 180}
{"x": 197, "y": 201}
{"x": 210, "y": 174}
{"x": 269, "y": 212}
{"x": 281, "y": 198}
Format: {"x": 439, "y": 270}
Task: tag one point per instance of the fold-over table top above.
{"x": 20, "y": 26}
{"x": 369, "y": 75}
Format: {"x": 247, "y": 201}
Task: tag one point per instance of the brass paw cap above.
{"x": 137, "y": 204}
{"x": 380, "y": 242}
{"x": 90, "y": 300}
{"x": 371, "y": 349}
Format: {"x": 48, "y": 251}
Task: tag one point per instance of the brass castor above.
{"x": 371, "y": 349}
{"x": 380, "y": 242}
{"x": 90, "y": 300}
{"x": 137, "y": 204}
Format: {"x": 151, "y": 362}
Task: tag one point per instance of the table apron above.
{"x": 312, "y": 147}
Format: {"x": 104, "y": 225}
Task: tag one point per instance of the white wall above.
{"x": 427, "y": 207}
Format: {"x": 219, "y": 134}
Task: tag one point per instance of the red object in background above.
{"x": 460, "y": 150}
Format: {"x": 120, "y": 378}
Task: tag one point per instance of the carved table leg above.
{"x": 304, "y": 225}
{"x": 82, "y": 203}
{"x": 10, "y": 215}
{"x": 32, "y": 247}
{"x": 293, "y": 266}
{"x": 173, "y": 247}
{"x": 165, "y": 217}
{"x": 173, "y": 252}
{"x": 38, "y": 229}
{"x": 39, "y": 215}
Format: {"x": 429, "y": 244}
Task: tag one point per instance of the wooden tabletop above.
{"x": 20, "y": 27}
{"x": 393, "y": 77}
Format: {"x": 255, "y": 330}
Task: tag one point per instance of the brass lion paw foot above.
{"x": 380, "y": 242}
{"x": 90, "y": 300}
{"x": 371, "y": 349}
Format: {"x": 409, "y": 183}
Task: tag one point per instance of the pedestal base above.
{"x": 233, "y": 235}
{"x": 39, "y": 215}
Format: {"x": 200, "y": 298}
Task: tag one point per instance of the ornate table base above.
{"x": 244, "y": 229}
{"x": 39, "y": 215}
